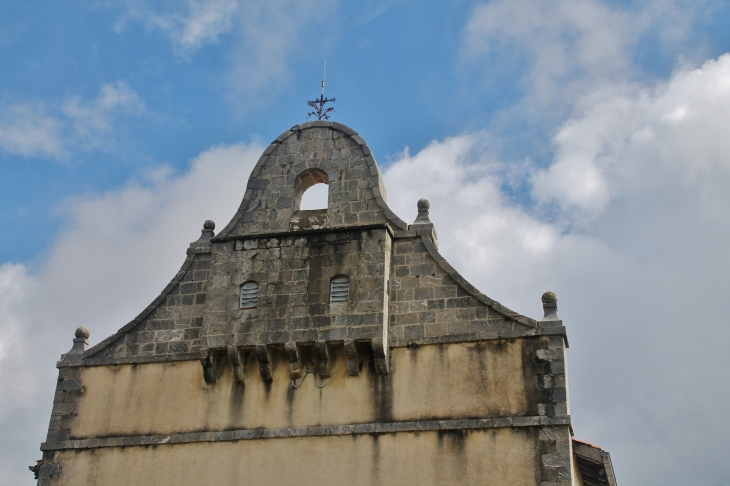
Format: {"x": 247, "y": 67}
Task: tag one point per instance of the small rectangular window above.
{"x": 249, "y": 295}
{"x": 340, "y": 289}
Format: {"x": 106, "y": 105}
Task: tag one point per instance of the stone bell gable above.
{"x": 401, "y": 290}
{"x": 418, "y": 377}
{"x": 307, "y": 154}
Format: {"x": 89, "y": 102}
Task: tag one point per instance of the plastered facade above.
{"x": 417, "y": 377}
{"x": 494, "y": 380}
{"x": 500, "y": 457}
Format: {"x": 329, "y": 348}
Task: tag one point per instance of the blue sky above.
{"x": 576, "y": 146}
{"x": 387, "y": 64}
{"x": 391, "y": 64}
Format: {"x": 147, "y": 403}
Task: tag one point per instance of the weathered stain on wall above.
{"x": 454, "y": 381}
{"x": 499, "y": 457}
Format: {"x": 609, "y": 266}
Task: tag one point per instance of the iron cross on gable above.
{"x": 318, "y": 105}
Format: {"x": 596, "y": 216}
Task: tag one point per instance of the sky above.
{"x": 578, "y": 146}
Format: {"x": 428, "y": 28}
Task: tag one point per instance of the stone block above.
{"x": 416, "y": 331}
{"x": 560, "y": 394}
{"x": 445, "y": 292}
{"x": 459, "y": 328}
{"x": 63, "y": 409}
{"x": 556, "y": 460}
{"x": 459, "y": 302}
{"x": 436, "y": 329}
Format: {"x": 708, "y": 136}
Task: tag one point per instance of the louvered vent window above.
{"x": 249, "y": 297}
{"x": 340, "y": 289}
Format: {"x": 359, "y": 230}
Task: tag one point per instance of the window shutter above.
{"x": 340, "y": 289}
{"x": 249, "y": 296}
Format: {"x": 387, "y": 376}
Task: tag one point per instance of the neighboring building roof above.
{"x": 594, "y": 464}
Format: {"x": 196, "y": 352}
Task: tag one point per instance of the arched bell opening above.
{"x": 312, "y": 201}
{"x": 312, "y": 190}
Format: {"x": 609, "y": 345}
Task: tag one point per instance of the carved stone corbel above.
{"x": 322, "y": 351}
{"x": 238, "y": 362}
{"x": 354, "y": 360}
{"x": 381, "y": 359}
{"x": 295, "y": 360}
{"x": 266, "y": 367}
{"x": 211, "y": 367}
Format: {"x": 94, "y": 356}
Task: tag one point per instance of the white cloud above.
{"x": 272, "y": 35}
{"x": 207, "y": 20}
{"x": 90, "y": 118}
{"x": 27, "y": 129}
{"x": 15, "y": 283}
{"x": 637, "y": 254}
{"x": 641, "y": 282}
{"x": 190, "y": 24}
{"x": 562, "y": 40}
{"x": 36, "y": 129}
{"x": 670, "y": 134}
{"x": 118, "y": 251}
{"x": 265, "y": 36}
{"x": 565, "y": 49}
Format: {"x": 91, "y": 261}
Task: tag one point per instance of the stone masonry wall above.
{"x": 426, "y": 302}
{"x": 294, "y": 276}
{"x": 173, "y": 328}
{"x": 91, "y": 403}
{"x": 273, "y": 194}
{"x": 402, "y": 295}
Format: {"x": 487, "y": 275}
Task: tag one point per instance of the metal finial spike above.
{"x": 318, "y": 105}
{"x": 324, "y": 72}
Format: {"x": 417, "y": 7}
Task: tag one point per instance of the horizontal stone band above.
{"x": 310, "y": 431}
{"x": 393, "y": 343}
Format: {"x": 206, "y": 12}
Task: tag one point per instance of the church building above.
{"x": 319, "y": 347}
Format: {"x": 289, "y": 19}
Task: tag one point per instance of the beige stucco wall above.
{"x": 495, "y": 457}
{"x": 463, "y": 380}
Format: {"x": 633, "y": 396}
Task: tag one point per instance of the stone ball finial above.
{"x": 423, "y": 204}
{"x": 209, "y": 225}
{"x": 83, "y": 332}
{"x": 549, "y": 298}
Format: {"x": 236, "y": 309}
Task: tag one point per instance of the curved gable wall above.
{"x": 356, "y": 191}
{"x": 416, "y": 361}
{"x": 402, "y": 290}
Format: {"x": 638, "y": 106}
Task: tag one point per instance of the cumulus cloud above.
{"x": 28, "y": 129}
{"x": 640, "y": 276}
{"x": 563, "y": 49}
{"x": 671, "y": 133}
{"x": 189, "y": 25}
{"x": 34, "y": 128}
{"x": 635, "y": 246}
{"x": 117, "y": 252}
{"x": 465, "y": 184}
{"x": 562, "y": 36}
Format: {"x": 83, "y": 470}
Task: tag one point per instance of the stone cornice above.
{"x": 394, "y": 343}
